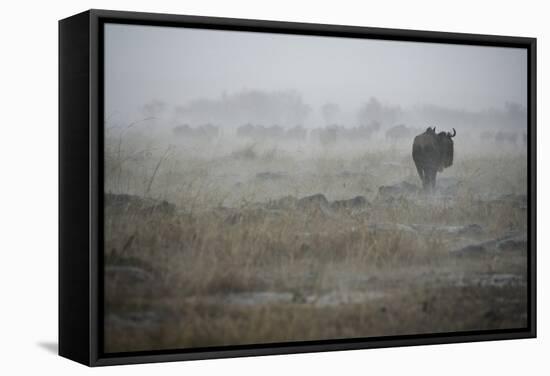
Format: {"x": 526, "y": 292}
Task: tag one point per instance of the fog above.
{"x": 253, "y": 179}
{"x": 231, "y": 78}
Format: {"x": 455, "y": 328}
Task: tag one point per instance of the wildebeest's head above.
{"x": 430, "y": 131}
{"x": 446, "y": 148}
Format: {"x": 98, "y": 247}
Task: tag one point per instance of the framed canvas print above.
{"x": 235, "y": 187}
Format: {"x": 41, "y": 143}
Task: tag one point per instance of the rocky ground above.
{"x": 292, "y": 268}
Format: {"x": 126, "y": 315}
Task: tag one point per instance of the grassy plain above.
{"x": 237, "y": 242}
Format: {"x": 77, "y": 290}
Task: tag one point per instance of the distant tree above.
{"x": 374, "y": 111}
{"x": 153, "y": 109}
{"x": 247, "y": 106}
{"x": 516, "y": 114}
{"x": 370, "y": 111}
{"x": 331, "y": 113}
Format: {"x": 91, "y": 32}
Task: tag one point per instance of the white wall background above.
{"x": 28, "y": 199}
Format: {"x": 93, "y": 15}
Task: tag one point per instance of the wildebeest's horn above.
{"x": 454, "y": 133}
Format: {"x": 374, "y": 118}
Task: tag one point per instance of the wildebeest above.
{"x": 432, "y": 152}
{"x": 205, "y": 132}
{"x": 260, "y": 132}
{"x": 400, "y": 132}
{"x": 298, "y": 133}
{"x": 361, "y": 132}
{"x": 329, "y": 135}
{"x": 246, "y": 130}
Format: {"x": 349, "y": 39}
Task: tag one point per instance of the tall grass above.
{"x": 223, "y": 239}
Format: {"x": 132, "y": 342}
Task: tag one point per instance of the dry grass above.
{"x": 178, "y": 277}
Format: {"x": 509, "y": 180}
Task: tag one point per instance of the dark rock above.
{"x": 133, "y": 203}
{"x": 315, "y": 201}
{"x": 114, "y": 260}
{"x": 252, "y": 298}
{"x": 472, "y": 249}
{"x": 247, "y": 153}
{"x": 287, "y": 202}
{"x": 357, "y": 202}
{"x": 128, "y": 274}
{"x": 518, "y": 201}
{"x": 234, "y": 218}
{"x": 402, "y": 189}
{"x": 135, "y": 320}
{"x": 299, "y": 297}
{"x": 376, "y": 227}
{"x": 487, "y": 280}
{"x": 512, "y": 244}
{"x": 477, "y": 249}
{"x": 466, "y": 230}
{"x": 470, "y": 230}
{"x": 521, "y": 199}
{"x": 513, "y": 241}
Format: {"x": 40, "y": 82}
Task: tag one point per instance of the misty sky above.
{"x": 175, "y": 65}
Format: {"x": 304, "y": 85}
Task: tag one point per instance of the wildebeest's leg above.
{"x": 431, "y": 174}
{"x": 420, "y": 173}
{"x": 428, "y": 181}
{"x": 425, "y": 180}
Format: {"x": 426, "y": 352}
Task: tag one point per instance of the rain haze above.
{"x": 176, "y": 66}
{"x": 265, "y": 188}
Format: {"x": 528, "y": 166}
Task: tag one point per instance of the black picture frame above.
{"x": 81, "y": 182}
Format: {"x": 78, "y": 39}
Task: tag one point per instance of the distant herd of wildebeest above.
{"x": 332, "y": 133}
